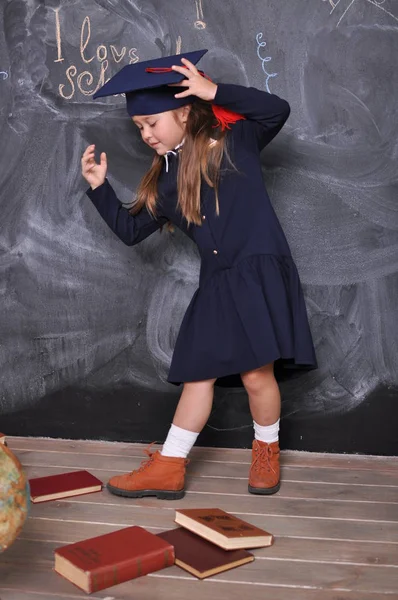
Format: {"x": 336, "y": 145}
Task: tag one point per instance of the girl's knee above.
{"x": 255, "y": 380}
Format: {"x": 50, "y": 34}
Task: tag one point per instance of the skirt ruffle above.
{"x": 242, "y": 318}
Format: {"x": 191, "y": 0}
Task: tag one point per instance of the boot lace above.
{"x": 147, "y": 461}
{"x": 262, "y": 459}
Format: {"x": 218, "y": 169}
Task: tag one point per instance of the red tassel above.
{"x": 224, "y": 117}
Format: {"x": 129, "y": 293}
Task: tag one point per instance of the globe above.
{"x": 14, "y": 497}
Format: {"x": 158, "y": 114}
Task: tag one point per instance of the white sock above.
{"x": 178, "y": 442}
{"x": 266, "y": 433}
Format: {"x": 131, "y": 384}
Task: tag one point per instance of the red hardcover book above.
{"x": 200, "y": 557}
{"x": 106, "y": 560}
{"x": 63, "y": 485}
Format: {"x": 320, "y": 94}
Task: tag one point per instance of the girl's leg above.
{"x": 163, "y": 474}
{"x": 191, "y": 416}
{"x": 265, "y": 407}
{"x": 194, "y": 406}
{"x": 264, "y": 394}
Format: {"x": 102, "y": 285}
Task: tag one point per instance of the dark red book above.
{"x": 106, "y": 560}
{"x": 63, "y": 485}
{"x": 200, "y": 557}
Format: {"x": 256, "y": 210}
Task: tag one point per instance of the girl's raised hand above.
{"x": 196, "y": 84}
{"x": 93, "y": 172}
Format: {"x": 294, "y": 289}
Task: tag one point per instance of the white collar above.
{"x": 212, "y": 142}
{"x": 166, "y": 156}
{"x": 179, "y": 145}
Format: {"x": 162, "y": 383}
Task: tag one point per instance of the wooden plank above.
{"x": 233, "y": 485}
{"x": 289, "y": 457}
{"x": 305, "y": 490}
{"x": 204, "y": 494}
{"x": 120, "y": 464}
{"x": 38, "y": 578}
{"x": 46, "y": 585}
{"x": 124, "y": 514}
{"x": 293, "y": 490}
{"x": 21, "y": 594}
{"x": 312, "y": 550}
{"x": 275, "y": 572}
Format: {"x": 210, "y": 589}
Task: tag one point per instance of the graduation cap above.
{"x": 146, "y": 86}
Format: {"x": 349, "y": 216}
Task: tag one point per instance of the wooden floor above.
{"x": 335, "y": 522}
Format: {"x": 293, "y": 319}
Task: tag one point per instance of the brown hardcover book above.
{"x": 63, "y": 485}
{"x": 106, "y": 560}
{"x": 222, "y": 528}
{"x": 200, "y": 557}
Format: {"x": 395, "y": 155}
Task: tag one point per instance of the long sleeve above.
{"x": 130, "y": 229}
{"x": 267, "y": 111}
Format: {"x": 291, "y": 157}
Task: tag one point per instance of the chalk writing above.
{"x": 199, "y": 23}
{"x": 345, "y": 12}
{"x": 58, "y": 36}
{"x": 178, "y": 45}
{"x": 84, "y": 81}
{"x": 264, "y": 60}
{"x": 335, "y": 3}
{"x": 3, "y": 75}
{"x": 332, "y": 3}
{"x": 377, "y": 3}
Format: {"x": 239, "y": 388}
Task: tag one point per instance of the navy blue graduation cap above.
{"x": 146, "y": 84}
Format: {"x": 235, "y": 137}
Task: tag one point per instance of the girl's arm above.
{"x": 128, "y": 228}
{"x": 268, "y": 111}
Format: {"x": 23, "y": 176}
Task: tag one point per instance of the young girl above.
{"x": 248, "y": 311}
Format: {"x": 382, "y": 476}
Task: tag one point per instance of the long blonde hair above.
{"x": 198, "y": 158}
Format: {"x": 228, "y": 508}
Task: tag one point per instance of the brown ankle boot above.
{"x": 160, "y": 476}
{"x": 264, "y": 470}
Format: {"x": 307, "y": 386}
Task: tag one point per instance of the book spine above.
{"x": 105, "y": 577}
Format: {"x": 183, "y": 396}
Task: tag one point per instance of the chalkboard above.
{"x": 88, "y": 324}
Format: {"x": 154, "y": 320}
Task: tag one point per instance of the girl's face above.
{"x": 163, "y": 131}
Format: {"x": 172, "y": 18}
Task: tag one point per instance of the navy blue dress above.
{"x": 249, "y": 308}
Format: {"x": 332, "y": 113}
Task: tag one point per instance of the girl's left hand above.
{"x": 196, "y": 84}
